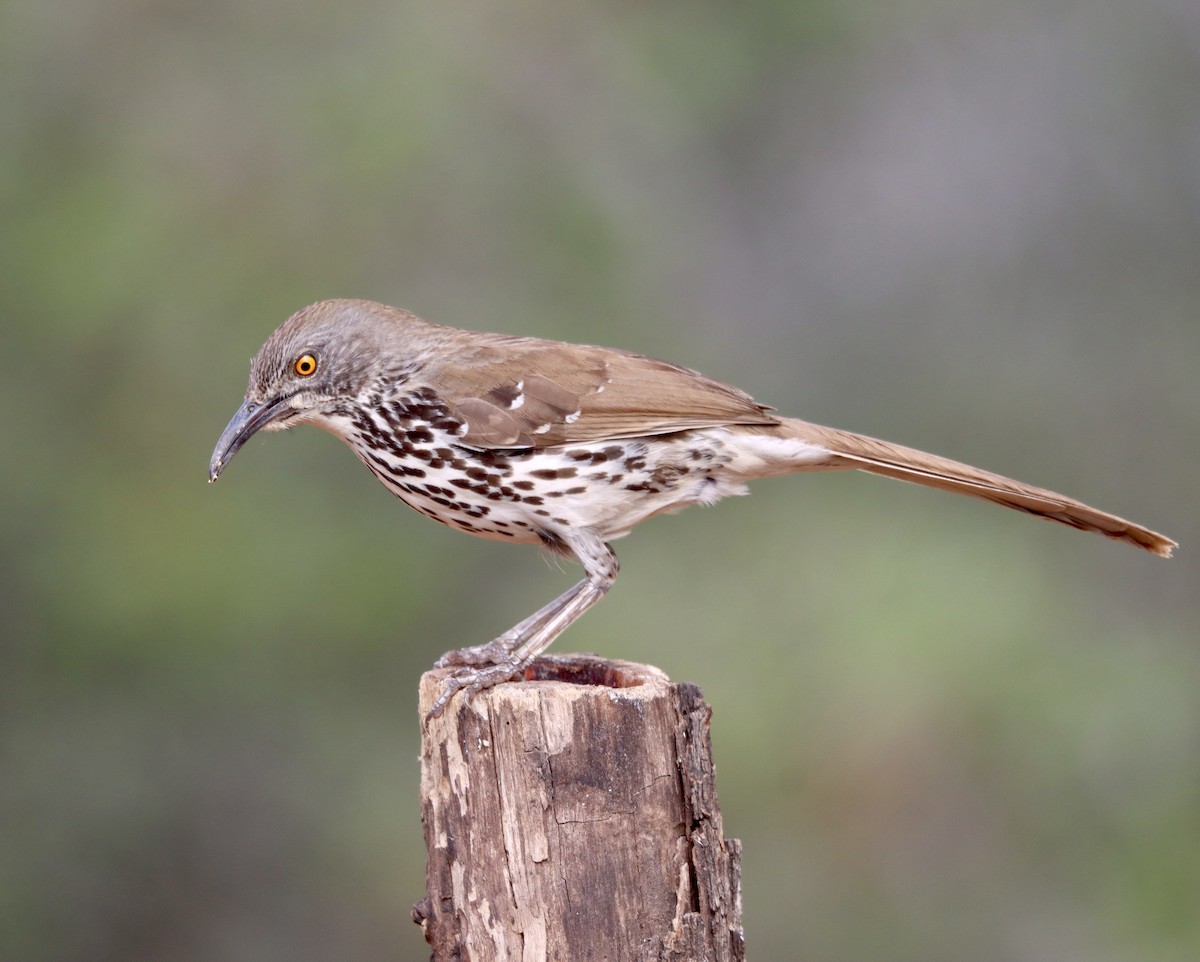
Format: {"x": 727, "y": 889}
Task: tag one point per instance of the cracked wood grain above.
{"x": 574, "y": 816}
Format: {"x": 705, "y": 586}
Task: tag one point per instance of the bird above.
{"x": 563, "y": 445}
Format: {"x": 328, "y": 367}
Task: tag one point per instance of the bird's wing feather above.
{"x": 527, "y": 393}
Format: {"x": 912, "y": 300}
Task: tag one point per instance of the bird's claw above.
{"x": 471, "y": 680}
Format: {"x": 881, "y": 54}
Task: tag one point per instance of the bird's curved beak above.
{"x": 251, "y": 416}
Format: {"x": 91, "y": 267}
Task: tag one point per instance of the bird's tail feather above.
{"x": 908, "y": 464}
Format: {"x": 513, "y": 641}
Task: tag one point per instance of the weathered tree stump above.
{"x": 574, "y": 816}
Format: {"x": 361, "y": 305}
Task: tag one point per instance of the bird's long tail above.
{"x": 908, "y": 464}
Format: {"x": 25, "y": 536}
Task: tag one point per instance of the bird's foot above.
{"x": 478, "y": 656}
{"x": 471, "y": 680}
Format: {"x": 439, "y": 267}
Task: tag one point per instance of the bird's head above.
{"x": 329, "y": 353}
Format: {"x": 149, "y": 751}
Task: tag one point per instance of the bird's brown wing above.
{"x": 521, "y": 392}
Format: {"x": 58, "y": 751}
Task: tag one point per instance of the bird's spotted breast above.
{"x": 413, "y": 443}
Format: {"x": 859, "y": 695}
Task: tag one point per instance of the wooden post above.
{"x": 574, "y": 816}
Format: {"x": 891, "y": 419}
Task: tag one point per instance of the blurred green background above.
{"x": 942, "y": 731}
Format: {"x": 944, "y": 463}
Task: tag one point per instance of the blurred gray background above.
{"x": 943, "y": 731}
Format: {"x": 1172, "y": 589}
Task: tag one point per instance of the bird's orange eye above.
{"x": 306, "y": 365}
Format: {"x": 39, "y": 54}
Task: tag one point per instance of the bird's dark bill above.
{"x": 250, "y": 417}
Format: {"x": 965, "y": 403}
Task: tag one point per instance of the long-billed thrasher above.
{"x": 564, "y": 445}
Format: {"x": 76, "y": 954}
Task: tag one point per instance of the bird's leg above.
{"x": 501, "y": 646}
{"x": 518, "y": 646}
{"x": 475, "y": 678}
